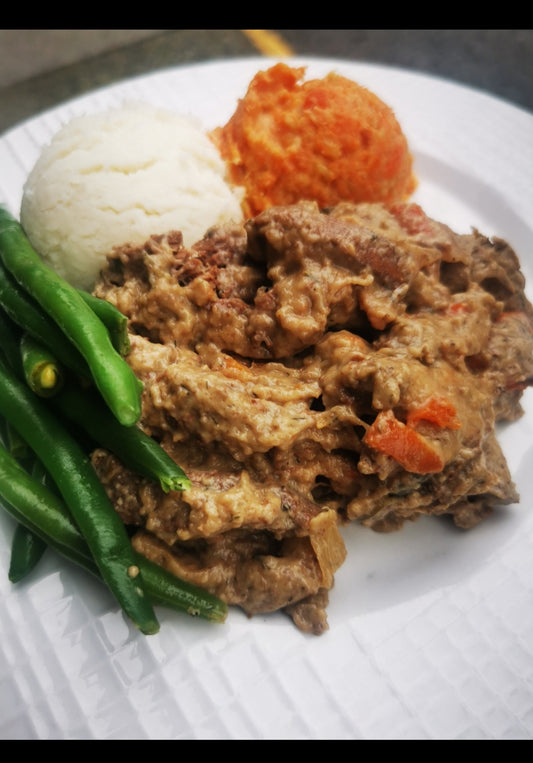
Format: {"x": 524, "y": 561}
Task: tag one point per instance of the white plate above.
{"x": 431, "y": 630}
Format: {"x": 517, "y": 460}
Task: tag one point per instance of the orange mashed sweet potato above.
{"x": 326, "y": 140}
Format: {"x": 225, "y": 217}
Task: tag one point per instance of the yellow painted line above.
{"x": 268, "y": 43}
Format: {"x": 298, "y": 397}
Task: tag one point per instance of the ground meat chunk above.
{"x": 311, "y": 368}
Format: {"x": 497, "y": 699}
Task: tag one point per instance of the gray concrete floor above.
{"x": 42, "y": 68}
{"x": 27, "y": 53}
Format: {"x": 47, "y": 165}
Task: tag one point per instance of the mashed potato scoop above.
{"x": 118, "y": 177}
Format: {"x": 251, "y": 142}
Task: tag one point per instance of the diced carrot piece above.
{"x": 412, "y": 218}
{"x": 410, "y": 449}
{"x": 437, "y": 410}
{"x": 459, "y": 308}
{"x": 232, "y": 368}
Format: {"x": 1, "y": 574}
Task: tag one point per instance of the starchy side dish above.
{"x": 325, "y": 140}
{"x": 121, "y": 175}
{"x": 310, "y": 368}
{"x": 222, "y": 359}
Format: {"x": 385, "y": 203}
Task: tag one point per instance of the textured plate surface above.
{"x": 431, "y": 629}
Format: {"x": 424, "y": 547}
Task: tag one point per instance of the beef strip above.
{"x": 278, "y": 356}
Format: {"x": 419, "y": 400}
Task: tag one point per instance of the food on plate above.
{"x": 304, "y": 348}
{"x": 308, "y": 368}
{"x": 119, "y": 176}
{"x": 44, "y": 520}
{"x": 41, "y": 442}
{"x": 41, "y": 369}
{"x": 65, "y": 306}
{"x": 325, "y": 140}
{"x": 67, "y": 463}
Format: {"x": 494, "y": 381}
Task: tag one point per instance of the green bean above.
{"x": 28, "y": 545}
{"x": 83, "y": 493}
{"x": 28, "y": 315}
{"x": 131, "y": 445}
{"x": 13, "y": 442}
{"x": 169, "y": 591}
{"x": 27, "y": 548}
{"x": 115, "y": 321}
{"x": 16, "y": 445}
{"x": 114, "y": 378}
{"x": 81, "y": 558}
{"x": 42, "y": 371}
{"x": 39, "y": 509}
{"x": 10, "y": 350}
{"x": 10, "y": 342}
